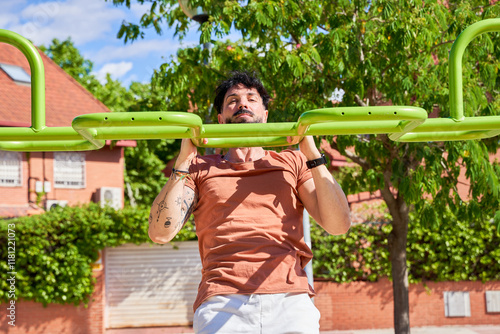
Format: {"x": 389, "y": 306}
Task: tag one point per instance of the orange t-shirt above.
{"x": 249, "y": 224}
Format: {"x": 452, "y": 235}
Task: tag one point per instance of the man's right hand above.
{"x": 187, "y": 153}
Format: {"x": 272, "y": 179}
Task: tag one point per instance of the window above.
{"x": 69, "y": 170}
{"x": 11, "y": 169}
{"x": 16, "y": 73}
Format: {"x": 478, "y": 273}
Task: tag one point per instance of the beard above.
{"x": 230, "y": 120}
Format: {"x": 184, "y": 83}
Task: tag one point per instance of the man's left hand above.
{"x": 308, "y": 147}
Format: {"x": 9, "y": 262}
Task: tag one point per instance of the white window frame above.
{"x": 69, "y": 170}
{"x": 11, "y": 163}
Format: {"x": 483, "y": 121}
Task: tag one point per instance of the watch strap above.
{"x": 316, "y": 162}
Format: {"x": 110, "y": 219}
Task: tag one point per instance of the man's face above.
{"x": 242, "y": 105}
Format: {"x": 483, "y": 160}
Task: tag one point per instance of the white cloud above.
{"x": 7, "y": 16}
{"x": 7, "y": 19}
{"x": 116, "y": 70}
{"x": 133, "y": 78}
{"x": 130, "y": 78}
{"x": 8, "y": 6}
{"x": 83, "y": 20}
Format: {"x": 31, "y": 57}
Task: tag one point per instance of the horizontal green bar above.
{"x": 357, "y": 114}
{"x": 406, "y": 126}
{"x": 249, "y": 129}
{"x": 50, "y": 133}
{"x": 339, "y": 128}
{"x": 245, "y": 142}
{"x": 468, "y": 123}
{"x": 137, "y": 125}
{"x": 445, "y": 136}
{"x": 401, "y": 123}
{"x": 289, "y": 129}
{"x": 144, "y": 132}
{"x": 48, "y": 146}
{"x": 137, "y": 119}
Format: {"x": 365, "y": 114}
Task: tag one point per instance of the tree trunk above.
{"x": 397, "y": 249}
{"x": 130, "y": 195}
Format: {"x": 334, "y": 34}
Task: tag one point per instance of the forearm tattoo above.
{"x": 161, "y": 206}
{"x": 150, "y": 218}
{"x": 188, "y": 205}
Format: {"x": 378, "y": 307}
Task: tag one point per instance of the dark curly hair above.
{"x": 247, "y": 79}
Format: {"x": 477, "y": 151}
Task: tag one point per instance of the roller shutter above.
{"x": 151, "y": 285}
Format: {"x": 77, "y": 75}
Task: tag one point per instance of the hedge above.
{"x": 455, "y": 251}
{"x": 55, "y": 250}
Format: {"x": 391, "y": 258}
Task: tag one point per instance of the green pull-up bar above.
{"x": 401, "y": 123}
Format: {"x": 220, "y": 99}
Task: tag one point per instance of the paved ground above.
{"x": 416, "y": 330}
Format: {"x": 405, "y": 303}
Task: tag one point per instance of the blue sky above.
{"x": 93, "y": 26}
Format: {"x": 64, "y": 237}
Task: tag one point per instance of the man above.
{"x": 248, "y": 209}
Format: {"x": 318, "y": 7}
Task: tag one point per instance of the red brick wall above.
{"x": 33, "y": 318}
{"x": 362, "y": 305}
{"x": 357, "y": 305}
{"x": 104, "y": 168}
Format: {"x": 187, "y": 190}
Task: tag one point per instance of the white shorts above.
{"x": 257, "y": 313}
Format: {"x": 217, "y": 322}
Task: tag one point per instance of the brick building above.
{"x": 32, "y": 182}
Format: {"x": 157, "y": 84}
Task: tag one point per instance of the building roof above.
{"x": 65, "y": 97}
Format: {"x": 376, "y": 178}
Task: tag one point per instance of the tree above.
{"x": 67, "y": 56}
{"x": 379, "y": 53}
{"x": 145, "y": 163}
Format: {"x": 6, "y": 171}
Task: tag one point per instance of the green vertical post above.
{"x": 37, "y": 76}
{"x": 455, "y": 64}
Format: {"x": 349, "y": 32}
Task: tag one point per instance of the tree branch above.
{"x": 351, "y": 155}
{"x": 388, "y": 145}
{"x": 323, "y": 27}
{"x": 359, "y": 101}
{"x": 375, "y": 18}
{"x": 295, "y": 39}
{"x": 439, "y": 44}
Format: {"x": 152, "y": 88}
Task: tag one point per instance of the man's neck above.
{"x": 244, "y": 154}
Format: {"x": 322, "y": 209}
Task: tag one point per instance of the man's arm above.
{"x": 175, "y": 202}
{"x": 170, "y": 210}
{"x": 322, "y": 196}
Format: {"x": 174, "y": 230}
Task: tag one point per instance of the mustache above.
{"x": 243, "y": 111}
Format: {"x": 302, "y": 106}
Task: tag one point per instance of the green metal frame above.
{"x": 459, "y": 127}
{"x": 401, "y": 123}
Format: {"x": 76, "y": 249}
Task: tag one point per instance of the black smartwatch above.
{"x": 316, "y": 162}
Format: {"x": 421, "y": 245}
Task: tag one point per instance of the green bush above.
{"x": 457, "y": 251}
{"x": 359, "y": 255}
{"x": 55, "y": 250}
{"x": 453, "y": 251}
